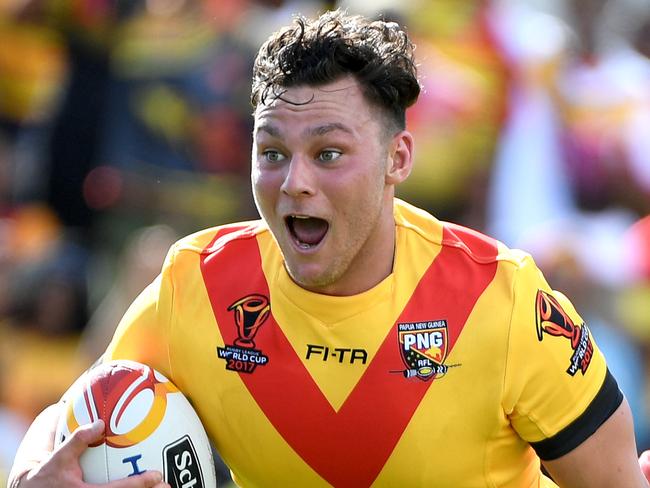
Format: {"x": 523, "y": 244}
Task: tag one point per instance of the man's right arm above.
{"x": 140, "y": 336}
{"x": 37, "y": 444}
{"x": 39, "y": 465}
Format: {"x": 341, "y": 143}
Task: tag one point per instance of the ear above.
{"x": 400, "y": 158}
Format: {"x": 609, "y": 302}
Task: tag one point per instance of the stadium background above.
{"x": 125, "y": 124}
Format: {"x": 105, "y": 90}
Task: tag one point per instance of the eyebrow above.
{"x": 314, "y": 131}
{"x": 269, "y": 129}
{"x": 324, "y": 129}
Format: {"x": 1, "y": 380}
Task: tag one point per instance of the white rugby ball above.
{"x": 149, "y": 425}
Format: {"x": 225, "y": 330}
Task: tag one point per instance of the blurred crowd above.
{"x": 125, "y": 124}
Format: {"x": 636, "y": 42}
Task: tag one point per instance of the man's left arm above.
{"x": 605, "y": 459}
{"x": 560, "y": 396}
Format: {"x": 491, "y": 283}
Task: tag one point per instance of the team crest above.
{"x": 249, "y": 314}
{"x": 424, "y": 347}
{"x": 551, "y": 319}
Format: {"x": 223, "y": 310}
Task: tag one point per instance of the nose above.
{"x": 299, "y": 178}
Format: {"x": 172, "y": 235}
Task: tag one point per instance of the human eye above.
{"x": 329, "y": 155}
{"x": 273, "y": 155}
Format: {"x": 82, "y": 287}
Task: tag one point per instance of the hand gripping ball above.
{"x": 149, "y": 425}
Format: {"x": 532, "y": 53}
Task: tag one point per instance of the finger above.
{"x": 81, "y": 438}
{"x": 148, "y": 479}
{"x": 644, "y": 462}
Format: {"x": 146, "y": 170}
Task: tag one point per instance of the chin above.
{"x": 313, "y": 281}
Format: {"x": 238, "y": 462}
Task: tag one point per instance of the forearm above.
{"x": 37, "y": 445}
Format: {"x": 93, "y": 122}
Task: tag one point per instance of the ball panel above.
{"x": 131, "y": 412}
{"x": 92, "y": 462}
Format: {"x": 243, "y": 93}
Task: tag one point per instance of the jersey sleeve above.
{"x": 558, "y": 389}
{"x": 143, "y": 333}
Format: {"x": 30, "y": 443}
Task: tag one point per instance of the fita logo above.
{"x": 551, "y": 319}
{"x": 424, "y": 347}
{"x": 249, "y": 313}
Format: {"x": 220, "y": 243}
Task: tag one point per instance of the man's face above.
{"x": 319, "y": 179}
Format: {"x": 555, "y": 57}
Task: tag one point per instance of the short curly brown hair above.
{"x": 315, "y": 52}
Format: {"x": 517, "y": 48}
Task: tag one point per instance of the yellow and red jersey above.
{"x": 461, "y": 368}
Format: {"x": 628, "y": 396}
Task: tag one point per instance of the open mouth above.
{"x": 307, "y": 232}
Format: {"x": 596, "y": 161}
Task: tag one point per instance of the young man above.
{"x": 385, "y": 347}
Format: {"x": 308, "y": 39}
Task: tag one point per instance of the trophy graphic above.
{"x": 250, "y": 313}
{"x": 552, "y": 319}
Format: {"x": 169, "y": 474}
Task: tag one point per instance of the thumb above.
{"x": 82, "y": 437}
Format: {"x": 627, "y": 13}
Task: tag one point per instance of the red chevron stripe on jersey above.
{"x": 348, "y": 447}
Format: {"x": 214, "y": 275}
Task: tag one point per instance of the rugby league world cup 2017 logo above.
{"x": 424, "y": 347}
{"x": 249, "y": 313}
{"x": 551, "y": 319}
